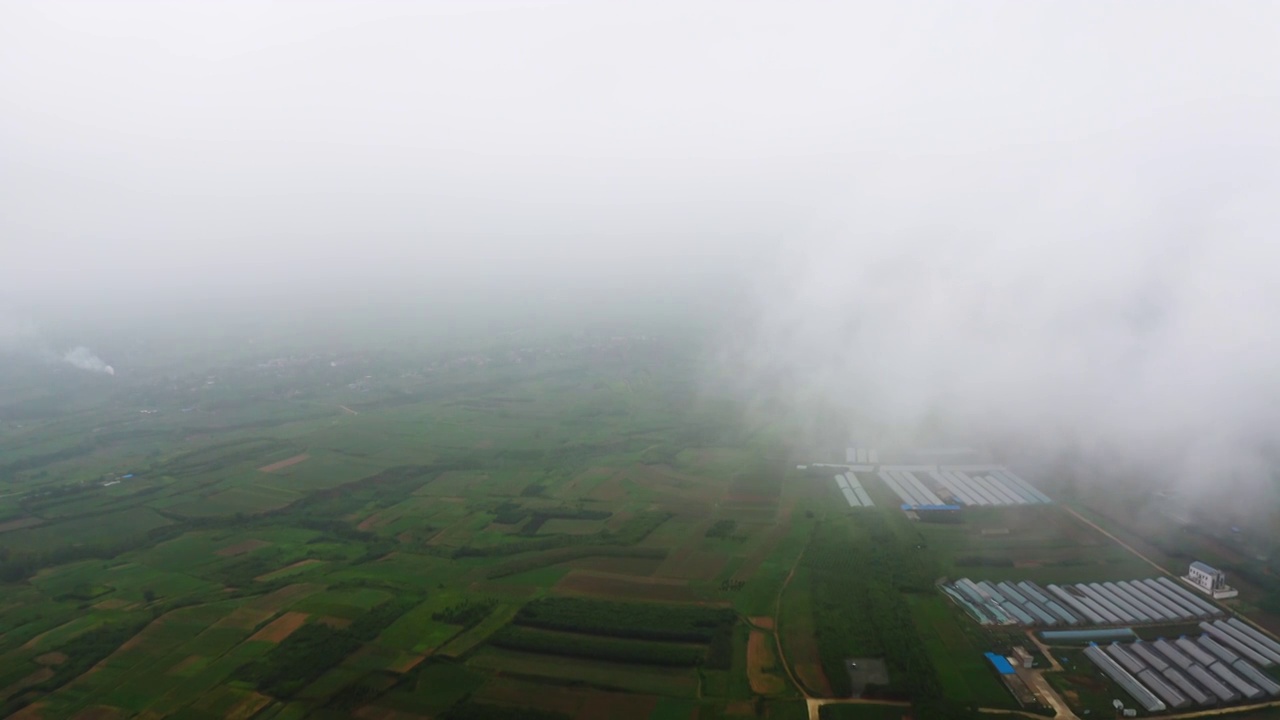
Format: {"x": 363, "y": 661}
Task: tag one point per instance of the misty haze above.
{"x": 549, "y": 360}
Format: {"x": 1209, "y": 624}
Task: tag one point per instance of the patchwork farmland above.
{"x": 572, "y": 538}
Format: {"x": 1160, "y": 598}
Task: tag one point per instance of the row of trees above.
{"x": 643, "y": 621}
{"x": 597, "y": 647}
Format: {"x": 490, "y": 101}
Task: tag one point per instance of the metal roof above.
{"x": 1002, "y": 665}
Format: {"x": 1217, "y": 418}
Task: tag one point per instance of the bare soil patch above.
{"x": 762, "y": 621}
{"x": 760, "y": 661}
{"x": 248, "y": 707}
{"x": 20, "y": 523}
{"x": 284, "y": 463}
{"x": 112, "y": 604}
{"x": 241, "y": 548}
{"x": 52, "y": 658}
{"x": 281, "y": 628}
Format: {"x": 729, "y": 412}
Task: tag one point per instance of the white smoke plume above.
{"x": 84, "y": 359}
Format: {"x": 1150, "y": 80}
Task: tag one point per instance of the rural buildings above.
{"x": 1181, "y": 673}
{"x": 1209, "y": 581}
{"x": 959, "y": 485}
{"x": 1124, "y": 603}
{"x": 853, "y": 492}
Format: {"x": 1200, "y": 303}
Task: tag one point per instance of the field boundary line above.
{"x": 1117, "y": 540}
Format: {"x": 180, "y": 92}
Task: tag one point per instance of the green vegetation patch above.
{"x": 965, "y": 675}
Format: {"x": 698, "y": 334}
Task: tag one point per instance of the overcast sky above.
{"x": 1047, "y": 218}
{"x": 163, "y": 147}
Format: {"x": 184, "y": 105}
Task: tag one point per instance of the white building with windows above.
{"x": 1208, "y": 580}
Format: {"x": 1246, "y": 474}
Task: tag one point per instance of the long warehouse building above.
{"x": 1112, "y": 669}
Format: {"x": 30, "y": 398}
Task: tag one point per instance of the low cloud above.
{"x": 84, "y": 359}
{"x": 1074, "y": 304}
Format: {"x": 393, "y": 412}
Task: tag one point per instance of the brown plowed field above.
{"x": 248, "y": 707}
{"x": 281, "y": 628}
{"x": 20, "y": 523}
{"x": 284, "y": 463}
{"x": 759, "y": 661}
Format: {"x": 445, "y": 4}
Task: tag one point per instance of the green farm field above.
{"x": 561, "y": 528}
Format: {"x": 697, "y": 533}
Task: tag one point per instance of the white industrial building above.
{"x": 1208, "y": 580}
